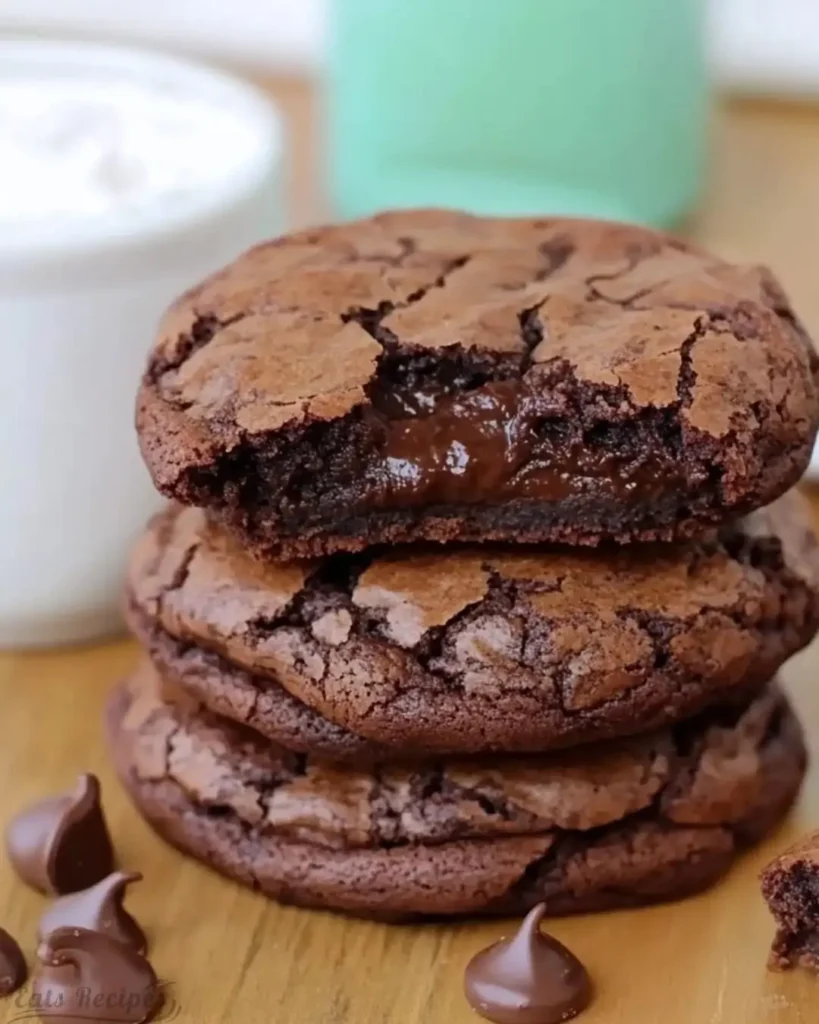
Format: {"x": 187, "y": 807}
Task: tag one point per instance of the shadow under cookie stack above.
{"x": 482, "y": 562}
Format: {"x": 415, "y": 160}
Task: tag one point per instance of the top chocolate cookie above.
{"x": 433, "y": 375}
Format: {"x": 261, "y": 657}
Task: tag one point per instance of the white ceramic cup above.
{"x": 78, "y": 309}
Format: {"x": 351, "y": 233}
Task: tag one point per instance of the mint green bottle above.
{"x": 589, "y": 107}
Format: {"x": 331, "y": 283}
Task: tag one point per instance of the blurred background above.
{"x": 762, "y": 60}
{"x": 757, "y": 45}
{"x": 701, "y": 116}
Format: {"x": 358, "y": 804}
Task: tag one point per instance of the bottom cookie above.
{"x": 620, "y": 824}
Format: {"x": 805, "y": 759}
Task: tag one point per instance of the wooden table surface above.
{"x": 231, "y": 956}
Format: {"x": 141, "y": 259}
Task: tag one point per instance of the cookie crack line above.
{"x": 595, "y": 295}
{"x": 632, "y": 262}
{"x": 661, "y": 648}
{"x": 687, "y": 375}
{"x": 371, "y": 318}
{"x": 556, "y": 252}
{"x": 179, "y": 576}
{"x": 203, "y": 330}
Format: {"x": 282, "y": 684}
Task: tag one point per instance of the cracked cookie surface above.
{"x": 429, "y": 375}
{"x": 473, "y": 649}
{"x": 652, "y": 817}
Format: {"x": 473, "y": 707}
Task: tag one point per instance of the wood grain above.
{"x": 233, "y": 957}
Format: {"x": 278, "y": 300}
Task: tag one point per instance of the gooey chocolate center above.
{"x": 502, "y": 441}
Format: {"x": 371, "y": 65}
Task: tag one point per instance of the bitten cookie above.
{"x": 653, "y": 817}
{"x": 431, "y": 375}
{"x": 790, "y": 885}
{"x": 475, "y": 649}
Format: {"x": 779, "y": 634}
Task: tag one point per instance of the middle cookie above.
{"x": 473, "y": 649}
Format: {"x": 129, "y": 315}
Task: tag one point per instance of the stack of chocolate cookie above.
{"x": 480, "y": 568}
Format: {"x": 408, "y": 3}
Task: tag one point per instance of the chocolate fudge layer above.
{"x": 474, "y": 649}
{"x": 790, "y": 885}
{"x": 436, "y": 376}
{"x": 648, "y": 818}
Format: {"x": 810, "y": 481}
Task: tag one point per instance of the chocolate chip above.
{"x": 84, "y": 975}
{"x": 528, "y": 979}
{"x": 98, "y": 909}
{"x": 13, "y": 970}
{"x": 61, "y": 844}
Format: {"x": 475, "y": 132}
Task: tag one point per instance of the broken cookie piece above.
{"x": 790, "y": 885}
